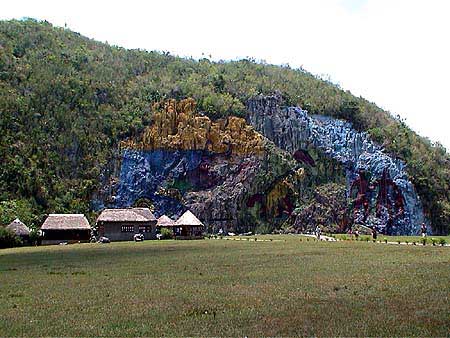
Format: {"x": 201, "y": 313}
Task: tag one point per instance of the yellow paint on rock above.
{"x": 176, "y": 126}
{"x": 283, "y": 188}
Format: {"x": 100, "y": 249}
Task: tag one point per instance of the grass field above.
{"x": 226, "y": 288}
{"x": 402, "y": 239}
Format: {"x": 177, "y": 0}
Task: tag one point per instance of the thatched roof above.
{"x": 188, "y": 218}
{"x": 126, "y": 215}
{"x": 165, "y": 221}
{"x": 19, "y": 228}
{"x": 66, "y": 222}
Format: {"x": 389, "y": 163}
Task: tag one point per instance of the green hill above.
{"x": 67, "y": 101}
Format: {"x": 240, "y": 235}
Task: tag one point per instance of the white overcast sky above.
{"x": 395, "y": 53}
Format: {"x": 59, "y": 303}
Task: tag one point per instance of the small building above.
{"x": 20, "y": 229}
{"x": 70, "y": 228}
{"x": 188, "y": 226}
{"x": 123, "y": 224}
{"x": 165, "y": 222}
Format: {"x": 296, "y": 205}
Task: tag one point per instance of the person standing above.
{"x": 318, "y": 230}
{"x": 374, "y": 234}
{"x": 424, "y": 230}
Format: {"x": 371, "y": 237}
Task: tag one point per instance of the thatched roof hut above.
{"x": 165, "y": 221}
{"x": 66, "y": 222}
{"x": 189, "y": 219}
{"x": 188, "y": 226}
{"x": 126, "y": 215}
{"x": 69, "y": 228}
{"x": 123, "y": 224}
{"x": 19, "y": 228}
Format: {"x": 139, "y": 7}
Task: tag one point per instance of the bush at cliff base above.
{"x": 166, "y": 234}
{"x": 8, "y": 239}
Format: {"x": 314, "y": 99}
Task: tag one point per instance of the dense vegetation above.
{"x": 66, "y": 101}
{"x": 8, "y": 238}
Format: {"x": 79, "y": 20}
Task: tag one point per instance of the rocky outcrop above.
{"x": 224, "y": 171}
{"x": 241, "y": 175}
{"x": 327, "y": 208}
{"x": 378, "y": 187}
{"x": 176, "y": 126}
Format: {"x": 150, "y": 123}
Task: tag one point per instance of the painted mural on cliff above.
{"x": 378, "y": 188}
{"x": 224, "y": 171}
{"x": 237, "y": 174}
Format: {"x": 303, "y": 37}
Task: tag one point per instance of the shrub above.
{"x": 442, "y": 241}
{"x": 434, "y": 241}
{"x": 264, "y": 229}
{"x": 166, "y": 233}
{"x": 423, "y": 241}
{"x": 385, "y": 240}
{"x": 398, "y": 242}
{"x": 8, "y": 239}
{"x": 35, "y": 238}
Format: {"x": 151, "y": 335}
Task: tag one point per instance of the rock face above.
{"x": 176, "y": 127}
{"x": 225, "y": 172}
{"x": 327, "y": 208}
{"x": 378, "y": 187}
{"x": 242, "y": 175}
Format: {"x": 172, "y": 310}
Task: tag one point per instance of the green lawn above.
{"x": 285, "y": 287}
{"x": 403, "y": 239}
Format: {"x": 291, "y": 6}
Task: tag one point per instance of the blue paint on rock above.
{"x": 144, "y": 172}
{"x": 293, "y": 129}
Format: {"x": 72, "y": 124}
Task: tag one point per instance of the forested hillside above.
{"x": 67, "y": 101}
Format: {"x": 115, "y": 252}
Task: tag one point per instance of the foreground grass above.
{"x": 403, "y": 239}
{"x": 219, "y": 287}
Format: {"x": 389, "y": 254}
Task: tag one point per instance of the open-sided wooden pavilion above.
{"x": 188, "y": 226}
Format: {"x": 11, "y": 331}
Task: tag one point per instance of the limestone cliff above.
{"x": 242, "y": 176}
{"x": 228, "y": 174}
{"x": 378, "y": 186}
{"x": 176, "y": 126}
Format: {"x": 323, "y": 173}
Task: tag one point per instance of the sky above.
{"x": 392, "y": 52}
